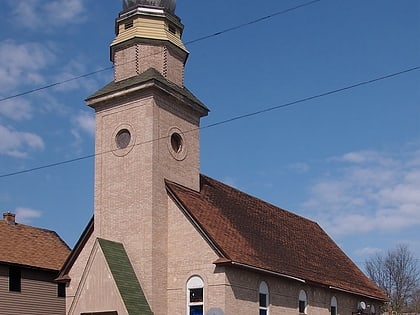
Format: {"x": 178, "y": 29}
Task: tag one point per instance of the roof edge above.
{"x": 87, "y": 232}
{"x": 8, "y": 263}
{"x": 125, "y": 278}
{"x": 222, "y": 262}
{"x": 366, "y": 295}
{"x": 194, "y": 222}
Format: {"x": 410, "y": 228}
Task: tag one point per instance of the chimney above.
{"x": 9, "y": 218}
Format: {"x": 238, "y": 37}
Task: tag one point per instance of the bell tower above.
{"x": 147, "y": 130}
{"x": 148, "y": 34}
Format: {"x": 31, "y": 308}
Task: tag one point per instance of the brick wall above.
{"x": 132, "y": 60}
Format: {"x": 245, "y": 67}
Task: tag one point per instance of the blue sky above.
{"x": 350, "y": 160}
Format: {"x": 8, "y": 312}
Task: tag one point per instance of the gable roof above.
{"x": 125, "y": 278}
{"x": 249, "y": 232}
{"x": 31, "y": 247}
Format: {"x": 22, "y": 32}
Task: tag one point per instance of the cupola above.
{"x": 148, "y": 35}
{"x": 168, "y": 5}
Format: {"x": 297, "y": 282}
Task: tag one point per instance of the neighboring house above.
{"x": 30, "y": 259}
{"x": 165, "y": 239}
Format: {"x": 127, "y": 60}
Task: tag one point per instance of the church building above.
{"x": 165, "y": 239}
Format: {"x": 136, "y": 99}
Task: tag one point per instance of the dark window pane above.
{"x": 196, "y": 295}
{"x": 263, "y": 300}
{"x": 263, "y": 312}
{"x": 333, "y": 310}
{"x": 15, "y": 278}
{"x": 61, "y": 290}
{"x": 196, "y": 310}
{"x": 123, "y": 138}
{"x": 302, "y": 305}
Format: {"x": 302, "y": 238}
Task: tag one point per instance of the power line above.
{"x": 55, "y": 84}
{"x": 269, "y": 109}
{"x": 233, "y": 28}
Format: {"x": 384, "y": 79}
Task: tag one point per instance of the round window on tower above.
{"x": 123, "y": 140}
{"x": 176, "y": 144}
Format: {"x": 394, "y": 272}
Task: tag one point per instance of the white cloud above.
{"x": 21, "y": 64}
{"x": 34, "y": 14}
{"x": 71, "y": 70}
{"x": 26, "y": 215}
{"x": 369, "y": 191}
{"x": 85, "y": 121}
{"x": 16, "y": 144}
{"x": 16, "y": 109}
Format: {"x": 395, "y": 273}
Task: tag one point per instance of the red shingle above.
{"x": 249, "y": 231}
{"x": 33, "y": 247}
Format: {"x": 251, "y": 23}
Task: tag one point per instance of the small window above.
{"x": 15, "y": 279}
{"x": 303, "y": 302}
{"x": 333, "y": 306}
{"x": 176, "y": 142}
{"x": 195, "y": 287}
{"x": 123, "y": 138}
{"x": 264, "y": 298}
{"x": 128, "y": 25}
{"x": 172, "y": 28}
{"x": 61, "y": 289}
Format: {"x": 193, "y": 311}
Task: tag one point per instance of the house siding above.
{"x": 38, "y": 294}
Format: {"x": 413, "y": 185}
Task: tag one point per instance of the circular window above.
{"x": 123, "y": 138}
{"x": 176, "y": 142}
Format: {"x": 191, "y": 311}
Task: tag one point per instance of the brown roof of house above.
{"x": 249, "y": 232}
{"x": 32, "y": 247}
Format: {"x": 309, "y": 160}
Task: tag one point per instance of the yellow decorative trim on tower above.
{"x": 151, "y": 24}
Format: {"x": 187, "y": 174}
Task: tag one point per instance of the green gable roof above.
{"x": 125, "y": 278}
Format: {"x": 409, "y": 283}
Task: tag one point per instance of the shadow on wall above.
{"x": 215, "y": 311}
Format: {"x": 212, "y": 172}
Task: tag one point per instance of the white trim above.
{"x": 267, "y": 271}
{"x": 356, "y": 293}
{"x": 195, "y": 282}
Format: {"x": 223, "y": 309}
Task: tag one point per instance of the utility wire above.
{"x": 233, "y": 28}
{"x": 293, "y": 103}
{"x": 55, "y": 84}
{"x": 239, "y": 26}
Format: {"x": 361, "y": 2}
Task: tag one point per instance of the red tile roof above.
{"x": 249, "y": 232}
{"x": 32, "y": 247}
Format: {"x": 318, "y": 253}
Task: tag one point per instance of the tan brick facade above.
{"x": 134, "y": 59}
{"x": 235, "y": 290}
{"x": 132, "y": 205}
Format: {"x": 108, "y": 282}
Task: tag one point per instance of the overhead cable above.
{"x": 187, "y": 43}
{"x": 239, "y": 117}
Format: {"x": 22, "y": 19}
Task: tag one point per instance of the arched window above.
{"x": 303, "y": 302}
{"x": 195, "y": 296}
{"x": 264, "y": 298}
{"x": 334, "y": 306}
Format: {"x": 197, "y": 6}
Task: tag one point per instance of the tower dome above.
{"x": 169, "y": 5}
